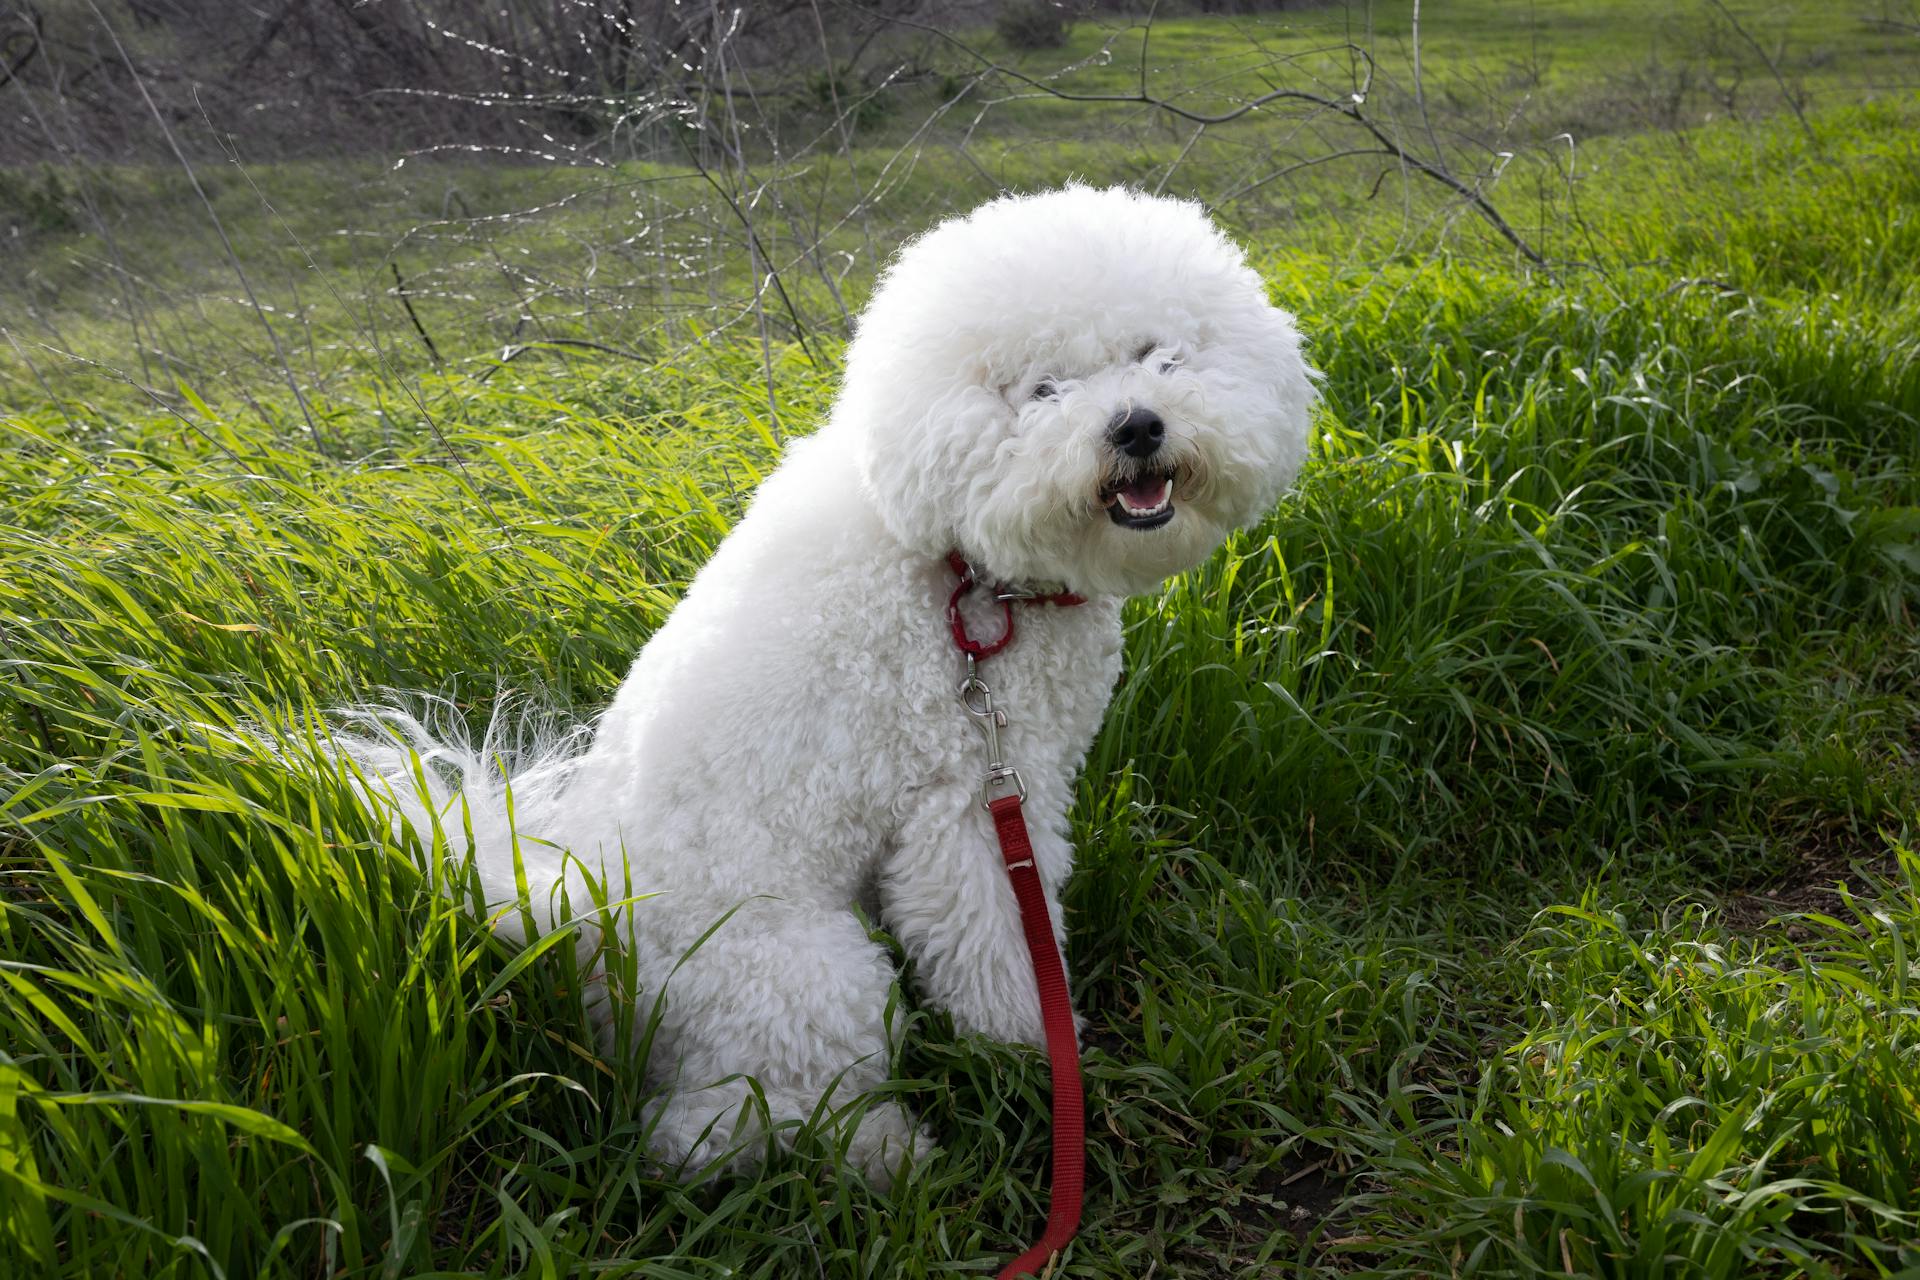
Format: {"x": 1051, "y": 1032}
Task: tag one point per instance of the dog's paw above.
{"x": 716, "y": 1129}
{"x": 886, "y": 1143}
{"x": 724, "y": 1129}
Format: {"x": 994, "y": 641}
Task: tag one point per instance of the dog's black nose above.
{"x": 1137, "y": 433}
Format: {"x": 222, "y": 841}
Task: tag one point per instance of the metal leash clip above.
{"x": 977, "y": 698}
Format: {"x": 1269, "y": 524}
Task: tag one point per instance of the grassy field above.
{"x": 1460, "y": 862}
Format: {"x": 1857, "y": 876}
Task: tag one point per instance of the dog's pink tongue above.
{"x": 1146, "y": 493}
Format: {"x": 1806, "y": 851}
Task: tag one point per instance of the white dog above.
{"x": 1082, "y": 391}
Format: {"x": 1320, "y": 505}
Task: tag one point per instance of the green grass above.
{"x": 1413, "y": 925}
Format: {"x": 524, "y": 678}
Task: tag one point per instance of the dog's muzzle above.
{"x": 1139, "y": 495}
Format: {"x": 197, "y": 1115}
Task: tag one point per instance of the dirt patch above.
{"x": 1826, "y": 860}
{"x": 1302, "y": 1198}
{"x": 1297, "y": 1200}
{"x": 1108, "y": 1041}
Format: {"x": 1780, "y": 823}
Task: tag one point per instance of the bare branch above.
{"x": 11, "y": 64}
{"x": 406, "y": 300}
{"x": 1350, "y": 108}
{"x": 1793, "y": 99}
{"x": 1309, "y": 163}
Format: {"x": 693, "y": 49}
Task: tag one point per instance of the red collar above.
{"x": 1005, "y": 595}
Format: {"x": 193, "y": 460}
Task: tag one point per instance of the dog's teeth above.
{"x": 1162, "y": 501}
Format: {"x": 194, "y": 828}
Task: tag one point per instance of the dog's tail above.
{"x": 501, "y": 798}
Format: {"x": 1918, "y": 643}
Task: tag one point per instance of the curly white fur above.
{"x": 791, "y": 742}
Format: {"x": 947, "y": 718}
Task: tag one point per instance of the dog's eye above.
{"x": 1167, "y": 365}
{"x": 1046, "y": 390}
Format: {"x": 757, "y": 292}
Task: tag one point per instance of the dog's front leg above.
{"x": 945, "y": 894}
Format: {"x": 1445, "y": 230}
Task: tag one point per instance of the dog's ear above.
{"x": 917, "y": 444}
{"x": 1294, "y": 379}
{"x": 1292, "y": 382}
{"x": 1268, "y": 390}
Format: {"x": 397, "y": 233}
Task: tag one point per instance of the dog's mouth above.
{"x": 1143, "y": 501}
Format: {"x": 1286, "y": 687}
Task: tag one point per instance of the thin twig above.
{"x": 1308, "y": 163}
{"x": 10, "y": 70}
{"x": 519, "y": 349}
{"x": 293, "y": 384}
{"x": 1772, "y": 66}
{"x": 400, "y": 286}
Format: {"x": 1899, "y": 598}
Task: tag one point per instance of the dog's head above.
{"x": 1083, "y": 387}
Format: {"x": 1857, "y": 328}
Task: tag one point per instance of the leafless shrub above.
{"x": 311, "y": 76}
{"x": 1032, "y": 24}
{"x": 683, "y": 173}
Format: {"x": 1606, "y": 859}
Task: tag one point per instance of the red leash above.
{"x": 1056, "y": 1004}
{"x": 1063, "y": 1050}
